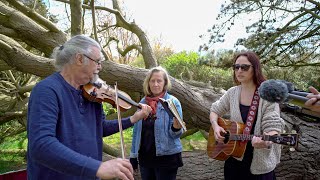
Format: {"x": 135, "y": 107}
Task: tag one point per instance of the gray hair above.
{"x": 65, "y": 53}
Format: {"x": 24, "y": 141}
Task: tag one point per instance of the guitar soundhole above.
{"x": 226, "y": 137}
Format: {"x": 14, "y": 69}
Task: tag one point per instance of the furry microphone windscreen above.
{"x": 273, "y": 91}
{"x": 289, "y": 85}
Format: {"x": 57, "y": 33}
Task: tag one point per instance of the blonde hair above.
{"x": 167, "y": 82}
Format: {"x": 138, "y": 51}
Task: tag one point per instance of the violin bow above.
{"x": 119, "y": 122}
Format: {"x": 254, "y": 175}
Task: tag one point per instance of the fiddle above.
{"x": 100, "y": 92}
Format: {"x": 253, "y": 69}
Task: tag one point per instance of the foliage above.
{"x": 190, "y": 67}
{"x": 161, "y": 51}
{"x": 302, "y": 77}
{"x": 285, "y": 33}
{"x": 13, "y": 161}
{"x": 114, "y": 140}
{"x": 138, "y": 62}
{"x": 10, "y": 129}
{"x": 108, "y": 109}
{"x": 184, "y": 66}
{"x": 195, "y": 141}
{"x": 222, "y": 78}
{"x": 220, "y": 59}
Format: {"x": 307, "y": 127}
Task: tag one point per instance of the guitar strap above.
{"x": 252, "y": 113}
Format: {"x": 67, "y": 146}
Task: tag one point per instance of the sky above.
{"x": 177, "y": 23}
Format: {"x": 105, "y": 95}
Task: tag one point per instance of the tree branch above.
{"x": 30, "y": 32}
{"x": 16, "y": 56}
{"x": 8, "y": 32}
{"x": 95, "y": 29}
{"x": 34, "y": 15}
{"x": 8, "y": 116}
{"x": 147, "y": 53}
{"x": 76, "y": 17}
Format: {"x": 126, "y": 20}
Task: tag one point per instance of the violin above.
{"x": 100, "y": 92}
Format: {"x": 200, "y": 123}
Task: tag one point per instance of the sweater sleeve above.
{"x": 222, "y": 106}
{"x": 43, "y": 145}
{"x": 271, "y": 120}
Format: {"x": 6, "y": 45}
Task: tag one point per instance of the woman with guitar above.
{"x": 260, "y": 117}
{"x": 156, "y": 141}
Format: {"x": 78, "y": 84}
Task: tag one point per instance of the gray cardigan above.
{"x": 268, "y": 119}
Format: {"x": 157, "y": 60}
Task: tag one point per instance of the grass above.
{"x": 190, "y": 143}
{"x": 12, "y": 162}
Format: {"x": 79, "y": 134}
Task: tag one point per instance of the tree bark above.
{"x": 76, "y": 17}
{"x": 27, "y": 30}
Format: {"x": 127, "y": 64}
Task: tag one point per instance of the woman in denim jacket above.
{"x": 156, "y": 142}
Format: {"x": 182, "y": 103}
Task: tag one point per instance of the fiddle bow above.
{"x": 119, "y": 122}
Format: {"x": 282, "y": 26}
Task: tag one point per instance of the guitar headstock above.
{"x": 284, "y": 139}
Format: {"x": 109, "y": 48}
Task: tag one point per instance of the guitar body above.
{"x": 222, "y": 151}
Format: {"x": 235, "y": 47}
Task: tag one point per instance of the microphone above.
{"x": 280, "y": 91}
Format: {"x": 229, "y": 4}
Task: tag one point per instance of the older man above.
{"x": 65, "y": 130}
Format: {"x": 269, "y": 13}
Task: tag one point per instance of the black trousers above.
{"x": 158, "y": 173}
{"x": 235, "y": 170}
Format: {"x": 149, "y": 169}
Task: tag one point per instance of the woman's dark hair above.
{"x": 254, "y": 59}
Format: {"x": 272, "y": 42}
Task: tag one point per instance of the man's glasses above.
{"x": 244, "y": 67}
{"x": 98, "y": 61}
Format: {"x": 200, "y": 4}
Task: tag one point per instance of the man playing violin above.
{"x": 65, "y": 130}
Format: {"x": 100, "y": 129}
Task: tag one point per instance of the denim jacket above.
{"x": 167, "y": 141}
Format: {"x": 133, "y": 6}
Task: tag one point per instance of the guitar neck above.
{"x": 241, "y": 137}
{"x": 284, "y": 139}
{"x": 248, "y": 137}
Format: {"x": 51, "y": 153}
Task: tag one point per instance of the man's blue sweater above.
{"x": 65, "y": 132}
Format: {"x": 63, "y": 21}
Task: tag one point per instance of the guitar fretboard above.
{"x": 279, "y": 139}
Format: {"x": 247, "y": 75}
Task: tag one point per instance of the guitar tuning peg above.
{"x": 292, "y": 149}
{"x": 294, "y": 131}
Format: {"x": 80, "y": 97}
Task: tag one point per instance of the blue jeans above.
{"x": 158, "y": 173}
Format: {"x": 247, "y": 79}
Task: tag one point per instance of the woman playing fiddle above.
{"x": 260, "y": 117}
{"x": 156, "y": 142}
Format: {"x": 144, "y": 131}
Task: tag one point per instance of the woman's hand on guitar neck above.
{"x": 258, "y": 143}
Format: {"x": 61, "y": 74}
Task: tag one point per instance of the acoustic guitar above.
{"x": 235, "y": 142}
